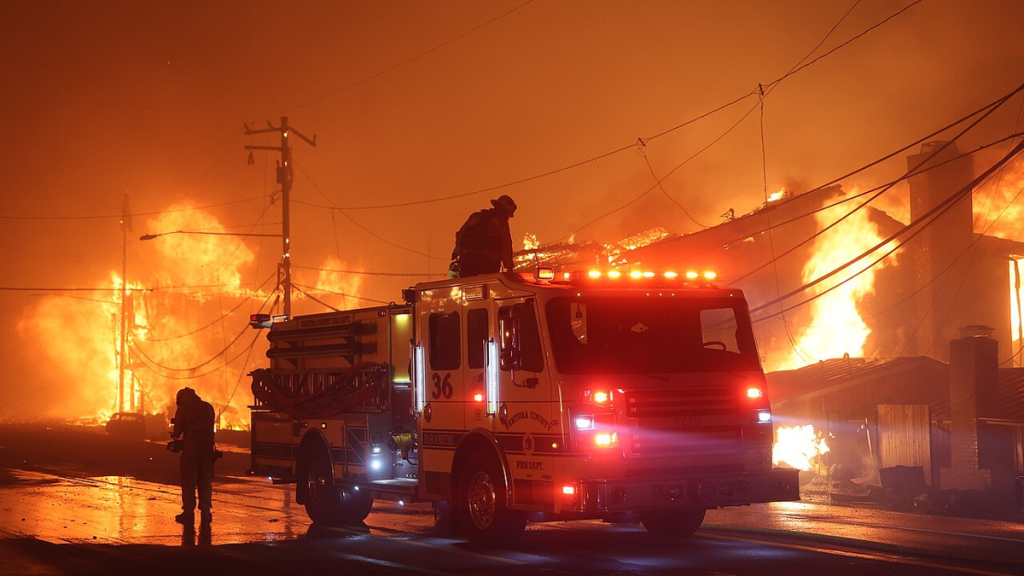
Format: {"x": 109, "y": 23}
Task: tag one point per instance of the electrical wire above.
{"x": 762, "y": 92}
{"x": 640, "y": 152}
{"x": 62, "y": 289}
{"x": 147, "y": 359}
{"x": 341, "y": 294}
{"x": 367, "y": 273}
{"x": 926, "y": 220}
{"x": 658, "y": 183}
{"x": 364, "y": 228}
{"x": 207, "y": 373}
{"x": 315, "y": 299}
{"x": 769, "y": 86}
{"x": 906, "y": 175}
{"x": 244, "y": 301}
{"x": 134, "y": 214}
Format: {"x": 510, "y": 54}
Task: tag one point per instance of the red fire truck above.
{"x": 508, "y": 398}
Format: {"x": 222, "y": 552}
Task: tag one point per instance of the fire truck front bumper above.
{"x": 611, "y": 495}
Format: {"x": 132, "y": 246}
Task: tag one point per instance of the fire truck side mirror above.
{"x": 509, "y": 360}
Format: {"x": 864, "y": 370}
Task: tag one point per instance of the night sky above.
{"x": 420, "y": 100}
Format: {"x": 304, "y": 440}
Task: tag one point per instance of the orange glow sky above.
{"x": 106, "y": 97}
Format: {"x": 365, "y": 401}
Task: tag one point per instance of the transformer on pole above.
{"x": 284, "y": 178}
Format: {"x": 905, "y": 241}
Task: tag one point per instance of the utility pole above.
{"x": 284, "y": 178}
{"x": 126, "y": 227}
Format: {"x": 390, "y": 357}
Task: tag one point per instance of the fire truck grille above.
{"x": 681, "y": 403}
{"x": 692, "y": 421}
{"x": 705, "y": 440}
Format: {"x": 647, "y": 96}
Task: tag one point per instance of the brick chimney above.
{"x": 940, "y": 243}
{"x": 973, "y": 373}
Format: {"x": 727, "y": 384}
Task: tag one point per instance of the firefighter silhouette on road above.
{"x": 193, "y": 424}
{"x": 484, "y": 243}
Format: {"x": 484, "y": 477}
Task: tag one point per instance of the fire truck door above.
{"x": 444, "y": 391}
{"x": 479, "y": 339}
{"x": 525, "y": 424}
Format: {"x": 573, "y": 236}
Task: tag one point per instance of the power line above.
{"x": 241, "y": 303}
{"x": 63, "y": 289}
{"x": 910, "y": 172}
{"x": 400, "y": 64}
{"x": 368, "y": 273}
{"x": 663, "y": 178}
{"x": 207, "y": 373}
{"x": 364, "y": 228}
{"x": 926, "y": 220}
{"x": 317, "y": 300}
{"x": 640, "y": 145}
{"x": 769, "y": 86}
{"x": 137, "y": 348}
{"x": 342, "y": 294}
{"x": 830, "y": 52}
{"x": 119, "y": 216}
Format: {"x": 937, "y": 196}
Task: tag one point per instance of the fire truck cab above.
{"x": 508, "y": 398}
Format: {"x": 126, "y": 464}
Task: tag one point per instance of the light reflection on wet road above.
{"x": 124, "y": 510}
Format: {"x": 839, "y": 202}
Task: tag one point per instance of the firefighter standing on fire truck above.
{"x": 193, "y": 423}
{"x": 484, "y": 243}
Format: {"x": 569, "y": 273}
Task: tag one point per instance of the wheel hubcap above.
{"x": 316, "y": 480}
{"x": 482, "y": 498}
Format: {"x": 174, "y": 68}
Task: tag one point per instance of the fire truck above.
{"x": 621, "y": 395}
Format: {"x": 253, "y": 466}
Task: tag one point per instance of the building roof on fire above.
{"x": 912, "y": 380}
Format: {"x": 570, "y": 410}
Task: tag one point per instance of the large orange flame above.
{"x": 180, "y": 334}
{"x": 836, "y": 327}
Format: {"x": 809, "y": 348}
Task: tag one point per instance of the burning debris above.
{"x": 798, "y": 447}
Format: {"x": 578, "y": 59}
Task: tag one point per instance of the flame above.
{"x": 199, "y": 259}
{"x": 339, "y": 284}
{"x": 1016, "y": 298}
{"x": 776, "y": 196}
{"x": 998, "y": 198}
{"x": 530, "y": 242}
{"x": 799, "y": 447}
{"x": 168, "y": 331}
{"x": 836, "y": 327}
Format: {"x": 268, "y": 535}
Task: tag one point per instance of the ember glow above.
{"x": 835, "y": 327}
{"x": 179, "y": 330}
{"x": 799, "y": 447}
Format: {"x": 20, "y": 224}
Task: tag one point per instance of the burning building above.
{"x": 871, "y": 304}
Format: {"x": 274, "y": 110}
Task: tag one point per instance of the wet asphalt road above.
{"x": 59, "y": 514}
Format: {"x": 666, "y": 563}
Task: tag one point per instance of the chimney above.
{"x": 938, "y": 245}
{"x": 973, "y": 372}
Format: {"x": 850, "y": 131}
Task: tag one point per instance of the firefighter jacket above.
{"x": 486, "y": 233}
{"x": 193, "y": 422}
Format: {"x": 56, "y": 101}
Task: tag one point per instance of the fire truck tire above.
{"x": 677, "y": 523}
{"x": 482, "y": 509}
{"x": 326, "y": 503}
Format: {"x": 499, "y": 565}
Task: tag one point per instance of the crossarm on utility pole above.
{"x": 284, "y": 177}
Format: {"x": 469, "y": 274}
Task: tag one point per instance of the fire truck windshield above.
{"x": 642, "y": 335}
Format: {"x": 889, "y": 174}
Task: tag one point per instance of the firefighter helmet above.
{"x": 506, "y": 204}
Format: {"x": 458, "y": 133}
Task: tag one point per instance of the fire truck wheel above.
{"x": 677, "y": 523}
{"x": 325, "y": 503}
{"x": 481, "y": 504}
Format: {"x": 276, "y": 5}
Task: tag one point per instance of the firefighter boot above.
{"x": 185, "y": 518}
